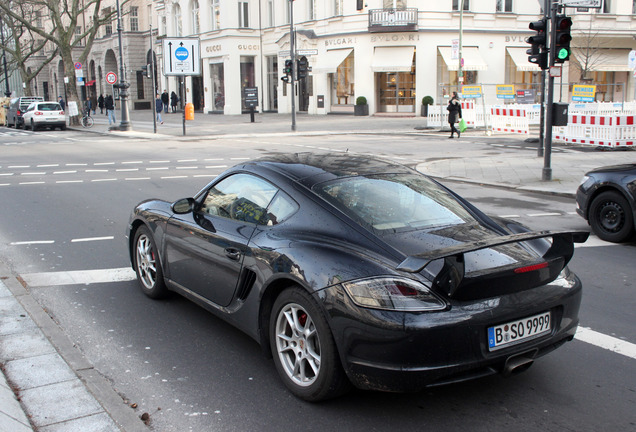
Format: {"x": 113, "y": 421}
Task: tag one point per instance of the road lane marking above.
{"x": 31, "y": 183}
{"x": 610, "y": 343}
{"x": 64, "y": 172}
{"x": 33, "y": 242}
{"x": 104, "y": 180}
{"x": 89, "y": 239}
{"x": 543, "y": 214}
{"x": 594, "y": 241}
{"x": 69, "y": 181}
{"x": 79, "y": 277}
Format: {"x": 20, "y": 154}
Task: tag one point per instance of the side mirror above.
{"x": 183, "y": 206}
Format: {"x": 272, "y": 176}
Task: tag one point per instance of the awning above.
{"x": 392, "y": 59}
{"x": 329, "y": 62}
{"x": 604, "y": 60}
{"x": 472, "y": 59}
{"x": 90, "y": 83}
{"x": 520, "y": 58}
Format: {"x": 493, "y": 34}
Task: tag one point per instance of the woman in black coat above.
{"x": 173, "y": 101}
{"x": 454, "y": 113}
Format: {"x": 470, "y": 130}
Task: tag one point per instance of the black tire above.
{"x": 63, "y": 127}
{"x": 611, "y": 217}
{"x": 33, "y": 126}
{"x": 304, "y": 350}
{"x": 147, "y": 264}
{"x": 18, "y": 125}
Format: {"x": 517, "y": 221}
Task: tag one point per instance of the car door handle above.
{"x": 233, "y": 254}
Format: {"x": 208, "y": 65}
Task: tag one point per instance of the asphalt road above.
{"x": 66, "y": 199}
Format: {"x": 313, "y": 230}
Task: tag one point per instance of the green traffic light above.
{"x": 563, "y": 53}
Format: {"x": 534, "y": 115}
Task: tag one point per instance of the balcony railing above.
{"x": 392, "y": 20}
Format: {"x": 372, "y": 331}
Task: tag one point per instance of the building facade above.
{"x": 392, "y": 52}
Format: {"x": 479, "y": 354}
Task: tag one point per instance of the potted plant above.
{"x": 426, "y": 101}
{"x": 361, "y": 108}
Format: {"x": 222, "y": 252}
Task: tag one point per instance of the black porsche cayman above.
{"x": 355, "y": 270}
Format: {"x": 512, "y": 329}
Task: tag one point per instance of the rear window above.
{"x": 395, "y": 202}
{"x": 49, "y": 107}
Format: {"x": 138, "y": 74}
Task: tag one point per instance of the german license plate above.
{"x": 515, "y": 332}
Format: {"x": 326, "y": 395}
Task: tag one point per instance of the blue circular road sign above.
{"x": 181, "y": 53}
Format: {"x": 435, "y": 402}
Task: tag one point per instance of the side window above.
{"x": 281, "y": 208}
{"x": 241, "y": 197}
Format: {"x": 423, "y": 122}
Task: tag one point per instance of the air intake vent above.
{"x": 248, "y": 277}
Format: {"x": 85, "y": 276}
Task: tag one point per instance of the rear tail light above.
{"x": 530, "y": 268}
{"x": 19, "y": 112}
{"x": 38, "y": 113}
{"x": 393, "y": 293}
{"x": 61, "y": 112}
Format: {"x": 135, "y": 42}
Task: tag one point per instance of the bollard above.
{"x": 189, "y": 111}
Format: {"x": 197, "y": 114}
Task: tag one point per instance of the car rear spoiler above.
{"x": 452, "y": 281}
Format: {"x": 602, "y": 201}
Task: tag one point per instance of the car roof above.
{"x": 313, "y": 168}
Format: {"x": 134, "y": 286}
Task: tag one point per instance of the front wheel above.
{"x": 611, "y": 217}
{"x": 147, "y": 264}
{"x": 303, "y": 348}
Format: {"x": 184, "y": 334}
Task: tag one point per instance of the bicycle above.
{"x": 87, "y": 121}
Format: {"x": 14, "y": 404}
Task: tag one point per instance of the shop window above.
{"x": 218, "y": 86}
{"x": 247, "y": 76}
{"x": 343, "y": 83}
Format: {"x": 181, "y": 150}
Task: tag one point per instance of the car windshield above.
{"x": 395, "y": 202}
{"x": 50, "y": 107}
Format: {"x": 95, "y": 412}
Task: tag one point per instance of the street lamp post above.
{"x": 125, "y": 124}
{"x": 7, "y": 92}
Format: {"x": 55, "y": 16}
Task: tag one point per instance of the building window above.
{"x": 504, "y": 5}
{"x": 195, "y": 17}
{"x": 134, "y": 18}
{"x": 178, "y": 24}
{"x": 310, "y": 10}
{"x": 270, "y": 13}
{"x": 140, "y": 85}
{"x": 337, "y": 7}
{"x": 108, "y": 27}
{"x": 218, "y": 86}
{"x": 216, "y": 14}
{"x": 394, "y": 4}
{"x": 456, "y": 4}
{"x": 607, "y": 7}
{"x": 38, "y": 19}
{"x": 633, "y": 7}
{"x": 244, "y": 9}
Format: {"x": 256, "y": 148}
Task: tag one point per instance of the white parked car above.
{"x": 44, "y": 114}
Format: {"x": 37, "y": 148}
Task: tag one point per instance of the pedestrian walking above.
{"x": 88, "y": 105}
{"x": 100, "y": 103}
{"x": 61, "y": 102}
{"x": 454, "y": 113}
{"x": 165, "y": 100}
{"x": 173, "y": 101}
{"x": 109, "y": 104}
{"x": 159, "y": 108}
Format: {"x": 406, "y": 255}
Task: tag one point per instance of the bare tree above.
{"x": 589, "y": 51}
{"x": 61, "y": 28}
{"x": 21, "y": 45}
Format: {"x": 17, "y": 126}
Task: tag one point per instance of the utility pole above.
{"x": 151, "y": 68}
{"x": 546, "y": 15}
{"x": 125, "y": 124}
{"x": 460, "y": 69}
{"x": 292, "y": 51}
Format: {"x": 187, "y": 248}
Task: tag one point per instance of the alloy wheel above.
{"x": 146, "y": 263}
{"x": 298, "y": 345}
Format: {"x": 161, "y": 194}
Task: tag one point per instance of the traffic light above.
{"x": 146, "y": 70}
{"x": 288, "y": 67}
{"x": 563, "y": 38}
{"x": 538, "y": 54}
{"x": 302, "y": 65}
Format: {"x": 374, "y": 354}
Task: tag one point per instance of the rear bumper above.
{"x": 393, "y": 351}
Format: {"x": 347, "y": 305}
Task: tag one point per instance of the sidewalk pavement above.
{"x": 61, "y": 393}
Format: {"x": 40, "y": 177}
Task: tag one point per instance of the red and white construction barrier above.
{"x": 607, "y": 130}
{"x": 509, "y": 120}
{"x": 468, "y": 112}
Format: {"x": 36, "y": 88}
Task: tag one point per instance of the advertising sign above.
{"x": 455, "y": 50}
{"x": 583, "y": 93}
{"x": 505, "y": 91}
{"x": 594, "y": 4}
{"x": 471, "y": 92}
{"x": 525, "y": 96}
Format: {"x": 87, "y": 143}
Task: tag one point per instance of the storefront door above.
{"x": 396, "y": 91}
